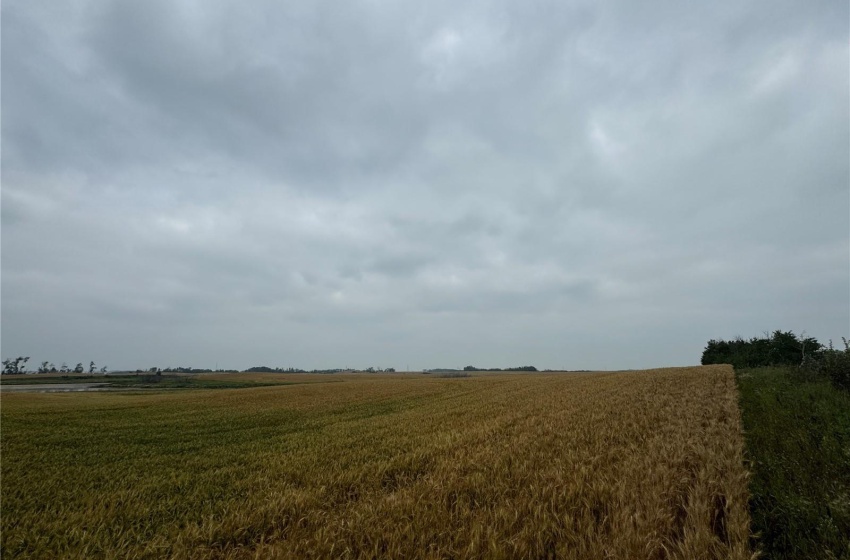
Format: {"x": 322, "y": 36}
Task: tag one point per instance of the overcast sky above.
{"x": 322, "y": 184}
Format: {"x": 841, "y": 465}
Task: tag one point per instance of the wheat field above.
{"x": 641, "y": 464}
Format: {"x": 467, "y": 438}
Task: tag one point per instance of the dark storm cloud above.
{"x": 565, "y": 184}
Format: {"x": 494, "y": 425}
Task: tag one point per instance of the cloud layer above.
{"x": 569, "y": 185}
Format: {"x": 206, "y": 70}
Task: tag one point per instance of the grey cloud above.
{"x": 402, "y": 265}
{"x": 565, "y": 184}
{"x": 296, "y": 104}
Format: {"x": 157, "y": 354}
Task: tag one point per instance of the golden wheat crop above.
{"x": 644, "y": 464}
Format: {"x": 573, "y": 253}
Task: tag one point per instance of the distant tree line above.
{"x": 473, "y": 368}
{"x": 17, "y": 366}
{"x": 520, "y": 368}
{"x": 176, "y": 369}
{"x": 266, "y": 369}
{"x": 784, "y": 348}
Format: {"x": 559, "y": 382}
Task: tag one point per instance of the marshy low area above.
{"x": 44, "y": 383}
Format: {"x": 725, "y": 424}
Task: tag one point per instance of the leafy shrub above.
{"x": 829, "y": 363}
{"x": 836, "y": 365}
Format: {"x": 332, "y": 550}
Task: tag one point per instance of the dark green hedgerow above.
{"x": 797, "y": 432}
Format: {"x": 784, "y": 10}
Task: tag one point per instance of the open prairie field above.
{"x": 642, "y": 464}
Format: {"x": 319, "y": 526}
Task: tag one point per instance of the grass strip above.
{"x": 797, "y": 435}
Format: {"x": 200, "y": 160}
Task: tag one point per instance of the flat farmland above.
{"x": 640, "y": 464}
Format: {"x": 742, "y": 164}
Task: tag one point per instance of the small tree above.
{"x": 91, "y": 367}
{"x": 103, "y": 369}
{"x": 18, "y": 365}
{"x": 836, "y": 364}
{"x": 79, "y": 368}
{"x": 45, "y": 367}
{"x": 64, "y": 368}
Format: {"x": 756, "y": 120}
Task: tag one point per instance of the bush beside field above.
{"x": 784, "y": 348}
